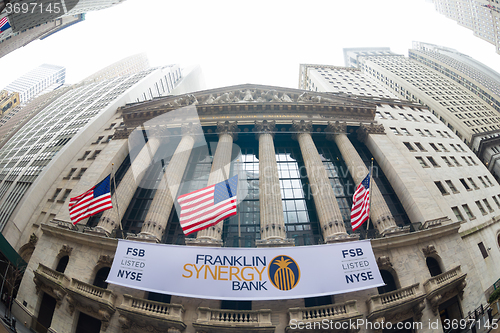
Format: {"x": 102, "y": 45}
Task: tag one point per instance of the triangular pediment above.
{"x": 249, "y": 94}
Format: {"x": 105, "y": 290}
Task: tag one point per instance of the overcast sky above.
{"x": 238, "y": 42}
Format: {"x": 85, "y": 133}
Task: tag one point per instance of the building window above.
{"x": 458, "y": 215}
{"x": 157, "y": 297}
{"x": 472, "y": 160}
{"x": 487, "y": 204}
{"x": 466, "y": 161}
{"x": 434, "y": 146}
{"x": 441, "y": 188}
{"x": 482, "y": 248}
{"x": 419, "y": 132}
{"x": 445, "y": 159}
{"x": 481, "y": 209}
{"x": 98, "y": 140}
{"x": 464, "y": 183}
{"x": 66, "y": 194}
{"x": 455, "y": 161}
{"x": 318, "y": 301}
{"x": 451, "y": 186}
{"x": 473, "y": 184}
{"x": 409, "y": 146}
{"x": 97, "y": 152}
{"x": 488, "y": 180}
{"x": 80, "y": 174}
{"x": 56, "y": 193}
{"x": 433, "y": 163}
{"x": 108, "y": 138}
{"x": 442, "y": 147}
{"x": 236, "y": 305}
{"x": 395, "y": 130}
{"x": 100, "y": 278}
{"x": 405, "y": 131}
{"x": 482, "y": 181}
{"x": 85, "y": 155}
{"x": 468, "y": 212}
{"x": 390, "y": 282}
{"x": 419, "y": 146}
{"x": 428, "y": 132}
{"x": 433, "y": 266}
{"x": 496, "y": 201}
{"x": 422, "y": 162}
{"x": 71, "y": 172}
{"x": 62, "y": 264}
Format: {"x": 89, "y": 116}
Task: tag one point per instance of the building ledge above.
{"x": 395, "y": 303}
{"x": 444, "y": 286}
{"x": 233, "y": 321}
{"x": 342, "y": 312}
{"x": 51, "y": 282}
{"x": 138, "y": 313}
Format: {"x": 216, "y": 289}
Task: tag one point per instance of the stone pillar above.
{"x": 125, "y": 191}
{"x": 327, "y": 208}
{"x": 272, "y": 222}
{"x": 380, "y": 214}
{"x": 159, "y": 212}
{"x": 221, "y": 166}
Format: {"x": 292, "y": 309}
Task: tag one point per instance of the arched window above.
{"x": 433, "y": 266}
{"x": 390, "y": 283}
{"x": 100, "y": 278}
{"x": 61, "y": 265}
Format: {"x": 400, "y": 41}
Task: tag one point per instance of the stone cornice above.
{"x": 413, "y": 238}
{"x": 72, "y": 236}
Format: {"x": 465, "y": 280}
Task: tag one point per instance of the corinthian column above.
{"x": 156, "y": 220}
{"x": 327, "y": 208}
{"x": 125, "y": 191}
{"x": 272, "y": 222}
{"x": 380, "y": 214}
{"x": 220, "y": 171}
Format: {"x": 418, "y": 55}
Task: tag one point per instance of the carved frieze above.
{"x": 365, "y": 130}
{"x": 429, "y": 250}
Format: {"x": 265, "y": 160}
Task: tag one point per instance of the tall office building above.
{"x": 41, "y": 31}
{"x": 480, "y": 16}
{"x": 46, "y": 18}
{"x": 128, "y": 65}
{"x": 312, "y": 148}
{"x": 44, "y": 78}
{"x": 475, "y": 76}
{"x": 472, "y": 119}
{"x": 64, "y": 125}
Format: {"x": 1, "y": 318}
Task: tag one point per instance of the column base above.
{"x": 275, "y": 242}
{"x": 340, "y": 238}
{"x": 148, "y": 238}
{"x": 395, "y": 231}
{"x": 203, "y": 242}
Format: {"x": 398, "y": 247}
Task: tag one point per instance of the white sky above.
{"x": 235, "y": 42}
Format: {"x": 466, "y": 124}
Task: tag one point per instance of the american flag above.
{"x": 361, "y": 204}
{"x": 4, "y": 24}
{"x": 204, "y": 208}
{"x": 94, "y": 201}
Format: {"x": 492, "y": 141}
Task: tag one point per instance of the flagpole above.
{"x": 116, "y": 198}
{"x": 369, "y": 197}
{"x": 237, "y": 195}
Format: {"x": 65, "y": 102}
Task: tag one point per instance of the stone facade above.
{"x": 267, "y": 117}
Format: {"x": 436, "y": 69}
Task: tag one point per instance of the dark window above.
{"x": 61, "y": 265}
{"x": 100, "y": 278}
{"x": 483, "y": 250}
{"x": 464, "y": 183}
{"x": 433, "y": 266}
{"x": 441, "y": 188}
{"x": 390, "y": 283}
{"x": 236, "y": 305}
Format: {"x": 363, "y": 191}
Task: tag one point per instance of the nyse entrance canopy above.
{"x": 245, "y": 273}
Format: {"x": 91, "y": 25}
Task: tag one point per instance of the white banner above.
{"x": 246, "y": 273}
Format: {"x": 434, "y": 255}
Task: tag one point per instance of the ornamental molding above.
{"x": 365, "y": 130}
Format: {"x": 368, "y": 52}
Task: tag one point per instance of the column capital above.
{"x": 226, "y": 127}
{"x": 335, "y": 128}
{"x": 364, "y": 130}
{"x": 264, "y": 126}
{"x": 299, "y": 127}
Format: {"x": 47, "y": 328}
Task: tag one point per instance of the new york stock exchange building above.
{"x": 298, "y": 157}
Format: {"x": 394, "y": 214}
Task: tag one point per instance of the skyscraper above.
{"x": 472, "y": 119}
{"x": 43, "y": 78}
{"x": 480, "y": 16}
{"x": 44, "y": 19}
{"x": 64, "y": 122}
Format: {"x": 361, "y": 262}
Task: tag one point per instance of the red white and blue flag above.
{"x": 4, "y": 24}
{"x": 94, "y": 201}
{"x": 360, "y": 211}
{"x": 208, "y": 206}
